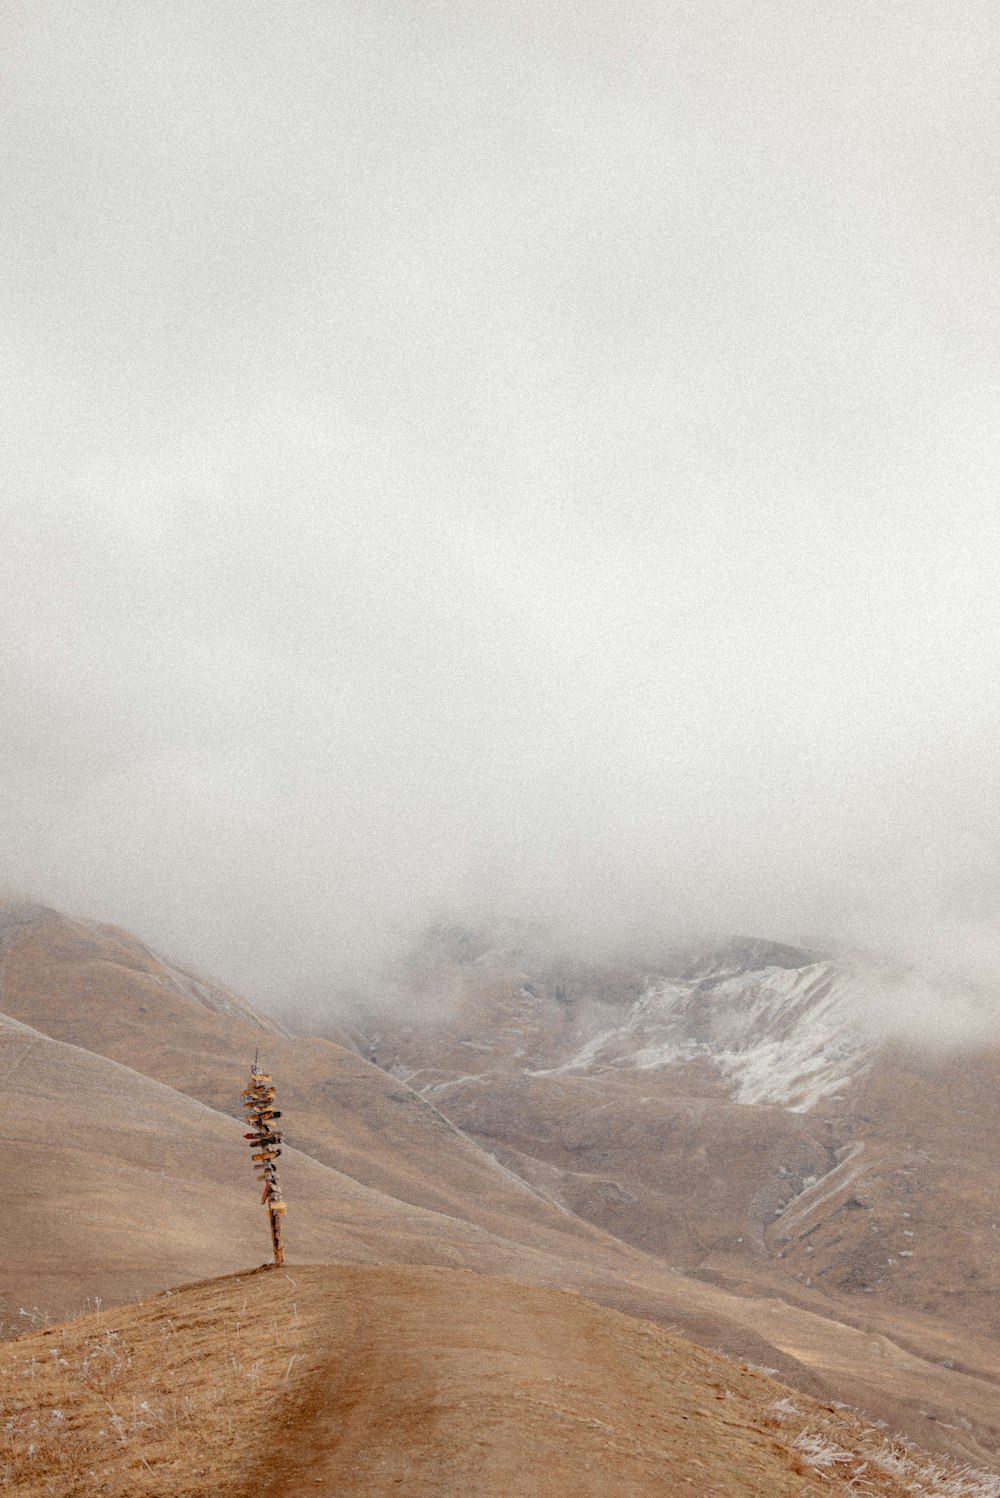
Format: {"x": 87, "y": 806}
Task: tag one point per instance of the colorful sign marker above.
{"x": 265, "y": 1146}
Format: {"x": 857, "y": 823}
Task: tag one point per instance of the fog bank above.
{"x": 464, "y": 459}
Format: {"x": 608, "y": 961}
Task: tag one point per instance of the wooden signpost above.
{"x": 265, "y": 1145}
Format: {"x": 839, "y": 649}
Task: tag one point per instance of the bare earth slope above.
{"x": 126, "y": 1185}
{"x": 102, "y": 990}
{"x": 436, "y": 1383}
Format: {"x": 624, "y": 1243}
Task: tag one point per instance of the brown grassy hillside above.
{"x": 101, "y": 989}
{"x": 439, "y": 1383}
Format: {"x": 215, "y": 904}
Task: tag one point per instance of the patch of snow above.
{"x": 777, "y": 1034}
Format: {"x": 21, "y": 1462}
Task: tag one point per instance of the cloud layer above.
{"x": 462, "y": 457}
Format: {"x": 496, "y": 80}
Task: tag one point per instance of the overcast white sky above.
{"x": 500, "y": 456}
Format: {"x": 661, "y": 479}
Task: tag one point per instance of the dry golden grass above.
{"x": 362, "y": 1381}
{"x": 175, "y": 1396}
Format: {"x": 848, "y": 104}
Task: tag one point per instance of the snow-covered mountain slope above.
{"x": 785, "y": 1035}
{"x": 770, "y": 1023}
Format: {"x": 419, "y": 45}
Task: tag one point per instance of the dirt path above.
{"x": 350, "y": 1381}
{"x": 448, "y": 1385}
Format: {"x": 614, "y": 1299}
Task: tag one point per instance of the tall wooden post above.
{"x": 265, "y": 1145}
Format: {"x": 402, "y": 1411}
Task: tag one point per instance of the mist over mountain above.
{"x": 481, "y": 461}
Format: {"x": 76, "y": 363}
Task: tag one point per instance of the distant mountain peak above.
{"x": 738, "y": 954}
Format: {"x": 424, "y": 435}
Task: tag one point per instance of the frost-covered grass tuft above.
{"x": 142, "y": 1404}
{"x": 879, "y": 1465}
